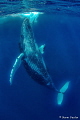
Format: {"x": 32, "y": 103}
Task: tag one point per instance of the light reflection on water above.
{"x": 57, "y": 7}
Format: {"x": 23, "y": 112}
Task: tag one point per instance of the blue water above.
{"x": 25, "y": 99}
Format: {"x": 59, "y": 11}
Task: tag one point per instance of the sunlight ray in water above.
{"x": 31, "y": 15}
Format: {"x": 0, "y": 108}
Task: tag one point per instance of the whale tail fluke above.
{"x": 61, "y": 93}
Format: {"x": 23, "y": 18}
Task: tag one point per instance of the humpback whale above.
{"x": 32, "y": 59}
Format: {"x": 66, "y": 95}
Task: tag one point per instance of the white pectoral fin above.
{"x": 15, "y": 67}
{"x": 41, "y": 48}
{"x": 61, "y": 94}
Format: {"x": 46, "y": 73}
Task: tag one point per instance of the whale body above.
{"x": 32, "y": 59}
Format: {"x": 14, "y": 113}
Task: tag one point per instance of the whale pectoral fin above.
{"x": 41, "y": 48}
{"x": 61, "y": 94}
{"x": 15, "y": 67}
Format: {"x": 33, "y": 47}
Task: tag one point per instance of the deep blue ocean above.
{"x": 59, "y": 29}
